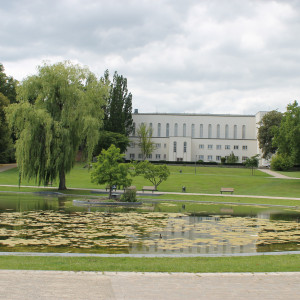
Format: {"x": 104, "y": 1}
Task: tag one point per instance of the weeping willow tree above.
{"x": 57, "y": 110}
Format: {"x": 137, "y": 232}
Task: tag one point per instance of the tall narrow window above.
{"x": 175, "y": 147}
{"x": 209, "y": 131}
{"x": 176, "y": 129}
{"x": 201, "y": 130}
{"x": 133, "y": 129}
{"x": 244, "y": 132}
{"x": 184, "y": 147}
{"x": 184, "y": 130}
{"x": 167, "y": 130}
{"x": 193, "y": 130}
{"x": 235, "y": 132}
{"x": 158, "y": 129}
{"x": 151, "y": 129}
{"x": 226, "y": 131}
{"x": 218, "y": 131}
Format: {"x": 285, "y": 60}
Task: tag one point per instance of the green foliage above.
{"x": 8, "y": 85}
{"x": 57, "y": 110}
{"x": 6, "y": 145}
{"x": 107, "y": 138}
{"x": 268, "y": 127}
{"x": 281, "y": 162}
{"x": 156, "y": 174}
{"x": 252, "y": 162}
{"x": 118, "y": 117}
{"x": 223, "y": 160}
{"x": 145, "y": 140}
{"x": 129, "y": 195}
{"x": 287, "y": 138}
{"x": 110, "y": 170}
{"x": 231, "y": 159}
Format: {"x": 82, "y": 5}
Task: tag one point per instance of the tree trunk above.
{"x": 62, "y": 180}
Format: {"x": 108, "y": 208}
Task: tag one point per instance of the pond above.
{"x": 44, "y": 223}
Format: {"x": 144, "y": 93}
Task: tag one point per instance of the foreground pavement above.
{"x": 109, "y": 285}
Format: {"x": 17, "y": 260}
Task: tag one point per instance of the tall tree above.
{"x": 268, "y": 126}
{"x": 8, "y": 85}
{"x": 287, "y": 137}
{"x": 146, "y": 144}
{"x": 118, "y": 110}
{"x": 57, "y": 110}
{"x": 6, "y": 145}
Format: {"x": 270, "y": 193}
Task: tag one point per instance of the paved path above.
{"x": 107, "y": 285}
{"x": 276, "y": 174}
{"x": 5, "y": 167}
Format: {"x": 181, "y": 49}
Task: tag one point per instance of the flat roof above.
{"x": 194, "y": 114}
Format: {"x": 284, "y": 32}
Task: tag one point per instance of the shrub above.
{"x": 281, "y": 162}
{"x": 129, "y": 196}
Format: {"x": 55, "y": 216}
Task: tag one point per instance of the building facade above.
{"x": 193, "y": 137}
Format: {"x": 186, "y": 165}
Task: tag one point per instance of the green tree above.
{"x": 156, "y": 174}
{"x": 118, "y": 110}
{"x": 252, "y": 162}
{"x": 8, "y": 85}
{"x": 287, "y": 137}
{"x": 107, "y": 138}
{"x": 232, "y": 159}
{"x": 6, "y": 145}
{"x": 57, "y": 110}
{"x": 268, "y": 126}
{"x": 109, "y": 169}
{"x": 281, "y": 162}
{"x": 146, "y": 144}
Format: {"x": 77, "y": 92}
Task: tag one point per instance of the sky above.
{"x": 179, "y": 56}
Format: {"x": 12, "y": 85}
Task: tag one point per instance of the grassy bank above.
{"x": 275, "y": 263}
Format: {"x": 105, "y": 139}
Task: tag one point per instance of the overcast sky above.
{"x": 209, "y": 56}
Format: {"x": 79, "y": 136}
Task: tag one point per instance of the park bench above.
{"x": 149, "y": 188}
{"x": 129, "y": 188}
{"x": 227, "y": 190}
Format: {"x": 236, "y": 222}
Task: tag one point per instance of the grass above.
{"x": 265, "y": 263}
{"x": 295, "y": 174}
{"x": 206, "y": 180}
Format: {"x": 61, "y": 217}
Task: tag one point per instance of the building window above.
{"x": 245, "y": 147}
{"x": 209, "y": 147}
{"x": 140, "y": 156}
{"x": 244, "y": 158}
{"x": 209, "y": 131}
{"x": 151, "y": 129}
{"x": 209, "y": 157}
{"x": 167, "y": 130}
{"x": 158, "y": 129}
{"x": 165, "y": 146}
{"x": 157, "y": 156}
{"x": 235, "y": 132}
{"x": 149, "y": 156}
{"x": 131, "y": 155}
{"x": 157, "y": 146}
{"x": 226, "y": 131}
{"x": 131, "y": 144}
{"x": 244, "y": 132}
{"x": 218, "y": 131}
{"x": 165, "y": 156}
{"x": 201, "y": 157}
{"x": 236, "y": 147}
{"x": 184, "y": 147}
{"x": 184, "y": 130}
{"x": 201, "y": 130}
{"x": 193, "y": 130}
{"x": 176, "y": 129}
{"x": 201, "y": 146}
{"x": 133, "y": 128}
{"x": 175, "y": 147}
{"x": 219, "y": 147}
{"x": 227, "y": 147}
{"x": 218, "y": 158}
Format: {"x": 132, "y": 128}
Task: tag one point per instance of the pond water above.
{"x": 41, "y": 223}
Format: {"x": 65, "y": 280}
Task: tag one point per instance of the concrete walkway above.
{"x": 5, "y": 167}
{"x": 143, "y": 286}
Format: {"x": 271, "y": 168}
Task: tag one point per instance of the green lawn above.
{"x": 295, "y": 174}
{"x": 206, "y": 180}
{"x": 265, "y": 263}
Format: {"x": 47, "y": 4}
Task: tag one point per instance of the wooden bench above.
{"x": 149, "y": 188}
{"x": 227, "y": 190}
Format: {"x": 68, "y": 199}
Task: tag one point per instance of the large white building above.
{"x": 193, "y": 137}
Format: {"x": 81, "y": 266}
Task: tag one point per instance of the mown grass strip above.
{"x": 276, "y": 263}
